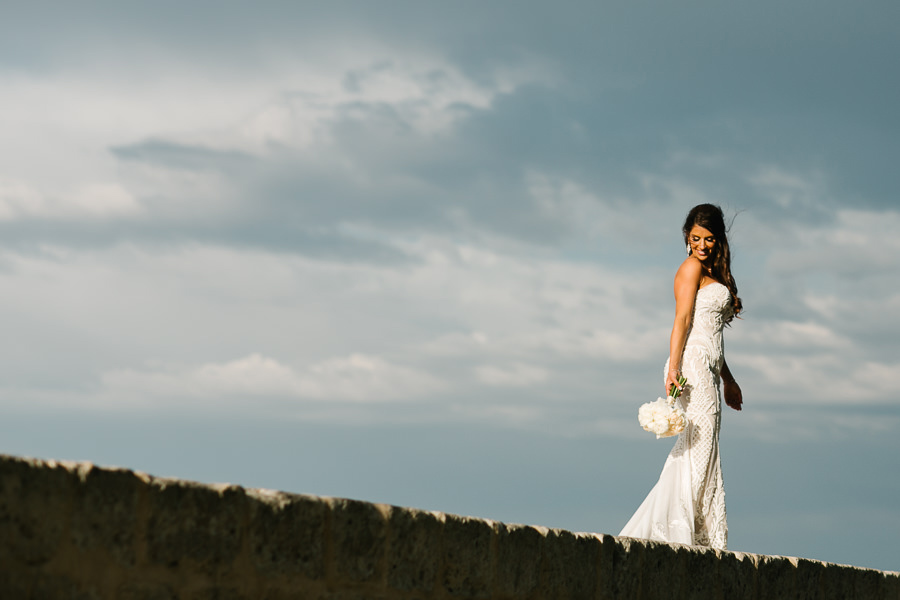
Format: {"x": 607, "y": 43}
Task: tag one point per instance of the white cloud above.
{"x": 789, "y": 189}
{"x": 355, "y": 378}
{"x": 517, "y": 375}
{"x": 426, "y": 93}
{"x": 103, "y": 200}
{"x": 819, "y": 379}
{"x": 425, "y": 96}
{"x": 456, "y": 344}
{"x": 855, "y": 243}
{"x": 790, "y": 425}
{"x": 494, "y": 313}
{"x": 565, "y": 200}
{"x": 461, "y": 322}
{"x": 66, "y": 122}
{"x": 779, "y": 336}
{"x": 19, "y": 200}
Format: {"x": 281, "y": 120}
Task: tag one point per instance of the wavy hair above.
{"x": 709, "y": 216}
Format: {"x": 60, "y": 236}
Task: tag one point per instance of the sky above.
{"x": 422, "y": 253}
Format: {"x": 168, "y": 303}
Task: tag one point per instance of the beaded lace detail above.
{"x": 687, "y": 505}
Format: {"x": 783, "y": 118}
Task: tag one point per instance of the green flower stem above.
{"x": 675, "y": 392}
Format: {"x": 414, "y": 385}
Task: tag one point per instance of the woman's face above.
{"x": 702, "y": 242}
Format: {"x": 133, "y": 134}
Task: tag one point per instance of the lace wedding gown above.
{"x": 687, "y": 504}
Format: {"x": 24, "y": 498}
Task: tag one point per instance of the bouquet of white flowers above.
{"x": 665, "y": 417}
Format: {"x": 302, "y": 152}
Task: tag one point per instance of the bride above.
{"x": 687, "y": 504}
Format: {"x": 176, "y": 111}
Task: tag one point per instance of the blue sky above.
{"x": 422, "y": 253}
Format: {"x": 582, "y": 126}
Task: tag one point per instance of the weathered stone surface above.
{"x": 702, "y": 568}
{"x": 837, "y": 583}
{"x": 79, "y": 532}
{"x": 213, "y": 593}
{"x": 358, "y": 536}
{"x": 777, "y": 578}
{"x": 415, "y": 550}
{"x": 663, "y": 574}
{"x": 35, "y": 498}
{"x": 859, "y": 583}
{"x": 354, "y": 595}
{"x": 807, "y": 578}
{"x": 287, "y": 533}
{"x": 621, "y": 565}
{"x": 467, "y": 557}
{"x": 569, "y": 565}
{"x": 892, "y": 586}
{"x": 56, "y": 587}
{"x": 193, "y": 522}
{"x": 519, "y": 550}
{"x": 136, "y": 590}
{"x": 104, "y": 514}
{"x": 15, "y": 582}
{"x": 869, "y": 584}
{"x": 295, "y": 592}
{"x": 738, "y": 574}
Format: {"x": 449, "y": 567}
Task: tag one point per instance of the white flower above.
{"x": 664, "y": 417}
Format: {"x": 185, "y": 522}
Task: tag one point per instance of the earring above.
{"x": 688, "y": 248}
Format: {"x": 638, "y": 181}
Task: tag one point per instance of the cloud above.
{"x": 799, "y": 425}
{"x": 403, "y": 223}
{"x": 355, "y": 378}
{"x": 19, "y": 201}
{"x": 856, "y": 245}
{"x": 179, "y": 156}
{"x": 518, "y": 375}
{"x": 821, "y": 378}
{"x": 779, "y": 337}
{"x": 368, "y": 143}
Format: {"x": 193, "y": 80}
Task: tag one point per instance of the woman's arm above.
{"x": 687, "y": 282}
{"x": 731, "y": 390}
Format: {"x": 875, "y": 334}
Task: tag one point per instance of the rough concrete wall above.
{"x": 72, "y": 530}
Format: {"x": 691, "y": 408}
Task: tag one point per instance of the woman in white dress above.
{"x": 687, "y": 504}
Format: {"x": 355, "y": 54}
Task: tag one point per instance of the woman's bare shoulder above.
{"x": 690, "y": 271}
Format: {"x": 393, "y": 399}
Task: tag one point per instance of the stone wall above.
{"x": 76, "y": 531}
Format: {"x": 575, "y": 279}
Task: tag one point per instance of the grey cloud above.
{"x": 804, "y": 87}
{"x": 647, "y": 107}
{"x": 377, "y": 170}
{"x": 324, "y": 243}
{"x": 181, "y": 156}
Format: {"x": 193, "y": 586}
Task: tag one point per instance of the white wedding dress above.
{"x": 687, "y": 504}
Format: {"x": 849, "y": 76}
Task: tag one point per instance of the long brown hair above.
{"x": 709, "y": 216}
